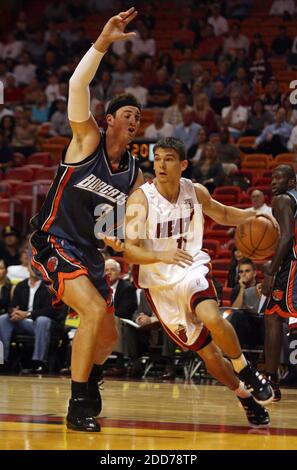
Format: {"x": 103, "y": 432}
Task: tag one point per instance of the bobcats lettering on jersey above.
{"x": 97, "y": 186}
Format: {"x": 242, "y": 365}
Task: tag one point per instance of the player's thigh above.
{"x": 207, "y": 312}
{"x": 82, "y": 296}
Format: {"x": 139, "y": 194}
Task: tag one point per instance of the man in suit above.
{"x": 31, "y": 313}
{"x": 125, "y": 304}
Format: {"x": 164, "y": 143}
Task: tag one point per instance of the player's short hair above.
{"x": 172, "y": 143}
{"x": 126, "y": 99}
{"x": 287, "y": 170}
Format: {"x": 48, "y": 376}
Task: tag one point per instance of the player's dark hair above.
{"x": 172, "y": 143}
{"x": 126, "y": 99}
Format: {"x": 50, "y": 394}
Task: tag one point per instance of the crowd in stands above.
{"x": 203, "y": 77}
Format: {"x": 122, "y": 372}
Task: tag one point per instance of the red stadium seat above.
{"x": 23, "y": 173}
{"x": 40, "y": 158}
{"x": 220, "y": 235}
{"x": 221, "y": 264}
{"x": 213, "y": 245}
{"x": 46, "y": 173}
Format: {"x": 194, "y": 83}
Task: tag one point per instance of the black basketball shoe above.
{"x": 276, "y": 390}
{"x": 256, "y": 414}
{"x": 257, "y": 384}
{"x": 80, "y": 416}
{"x": 95, "y": 396}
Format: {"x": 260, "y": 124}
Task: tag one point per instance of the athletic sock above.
{"x": 241, "y": 391}
{"x": 79, "y": 389}
{"x": 239, "y": 363}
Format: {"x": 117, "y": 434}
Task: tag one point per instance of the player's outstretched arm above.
{"x": 82, "y": 123}
{"x": 225, "y": 215}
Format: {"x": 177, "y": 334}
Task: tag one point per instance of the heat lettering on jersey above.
{"x": 99, "y": 187}
{"x": 173, "y": 228}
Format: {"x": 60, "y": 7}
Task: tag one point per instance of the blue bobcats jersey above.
{"x": 87, "y": 198}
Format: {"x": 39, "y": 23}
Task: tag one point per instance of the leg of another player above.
{"x": 83, "y": 298}
{"x": 226, "y": 339}
{"x": 273, "y": 346}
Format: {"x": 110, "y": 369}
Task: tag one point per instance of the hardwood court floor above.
{"x": 139, "y": 415}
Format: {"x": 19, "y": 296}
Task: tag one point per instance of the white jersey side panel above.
{"x": 170, "y": 226}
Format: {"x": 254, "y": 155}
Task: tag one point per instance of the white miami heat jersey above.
{"x": 170, "y": 226}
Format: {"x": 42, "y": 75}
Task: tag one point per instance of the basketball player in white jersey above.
{"x": 164, "y": 232}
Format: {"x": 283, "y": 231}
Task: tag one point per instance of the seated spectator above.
{"x": 24, "y": 72}
{"x": 24, "y": 136}
{"x": 174, "y": 114}
{"x": 56, "y": 11}
{"x": 240, "y": 79}
{"x": 105, "y": 88}
{"x": 160, "y": 91}
{"x": 233, "y": 274}
{"x": 235, "y": 116}
{"x": 224, "y": 74}
{"x": 238, "y": 8}
{"x": 19, "y": 272}
{"x": 4, "y": 111}
{"x": 218, "y": 22}
{"x": 40, "y": 111}
{"x": 6, "y": 154}
{"x": 184, "y": 37}
{"x": 59, "y": 120}
{"x": 125, "y": 304}
{"x": 12, "y": 48}
{"x": 31, "y": 313}
{"x": 258, "y": 203}
{"x": 195, "y": 152}
{"x": 184, "y": 70}
{"x": 210, "y": 45}
{"x": 203, "y": 114}
{"x": 260, "y": 68}
{"x": 121, "y": 77}
{"x": 13, "y": 94}
{"x": 256, "y": 44}
{"x": 228, "y": 154}
{"x": 137, "y": 90}
{"x": 144, "y": 44}
{"x": 52, "y": 88}
{"x": 291, "y": 112}
{"x": 272, "y": 99}
{"x": 32, "y": 92}
{"x": 5, "y": 288}
{"x": 258, "y": 119}
{"x": 282, "y": 44}
{"x": 187, "y": 130}
{"x": 208, "y": 171}
{"x": 247, "y": 96}
{"x": 274, "y": 138}
{"x": 165, "y": 60}
{"x": 284, "y": 8}
{"x": 246, "y": 297}
{"x": 7, "y": 126}
{"x": 235, "y": 41}
{"x": 292, "y": 142}
{"x": 219, "y": 100}
{"x": 99, "y": 115}
{"x": 158, "y": 128}
{"x": 10, "y": 248}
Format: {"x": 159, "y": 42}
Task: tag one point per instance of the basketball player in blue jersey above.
{"x": 280, "y": 276}
{"x": 93, "y": 181}
{"x": 164, "y": 236}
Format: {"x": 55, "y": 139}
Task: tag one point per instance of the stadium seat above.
{"x": 220, "y": 235}
{"x": 213, "y": 245}
{"x": 23, "y": 173}
{"x": 39, "y": 158}
{"x": 46, "y": 173}
{"x": 226, "y": 190}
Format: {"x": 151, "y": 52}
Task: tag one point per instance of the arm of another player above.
{"x": 225, "y": 215}
{"x": 284, "y": 213}
{"x": 86, "y": 135}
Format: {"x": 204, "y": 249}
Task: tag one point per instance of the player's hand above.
{"x": 114, "y": 243}
{"x": 272, "y": 220}
{"x": 180, "y": 257}
{"x": 115, "y": 27}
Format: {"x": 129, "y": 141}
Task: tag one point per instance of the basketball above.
{"x": 257, "y": 238}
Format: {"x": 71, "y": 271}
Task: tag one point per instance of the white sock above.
{"x": 241, "y": 391}
{"x": 239, "y": 363}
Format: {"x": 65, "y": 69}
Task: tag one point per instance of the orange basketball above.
{"x": 257, "y": 238}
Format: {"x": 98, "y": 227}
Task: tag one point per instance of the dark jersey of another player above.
{"x": 293, "y": 252}
{"x": 87, "y": 198}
